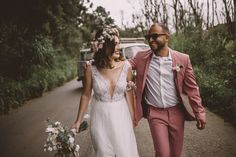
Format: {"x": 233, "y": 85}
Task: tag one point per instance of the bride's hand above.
{"x": 75, "y": 126}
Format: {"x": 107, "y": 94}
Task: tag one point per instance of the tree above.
{"x": 34, "y": 32}
{"x": 230, "y": 23}
{"x": 184, "y": 14}
{"x": 94, "y": 21}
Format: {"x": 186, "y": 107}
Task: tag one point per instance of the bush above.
{"x": 190, "y": 42}
{"x": 14, "y": 92}
{"x": 20, "y": 51}
{"x": 213, "y": 55}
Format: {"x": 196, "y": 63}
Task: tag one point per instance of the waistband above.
{"x": 103, "y": 99}
{"x": 163, "y": 109}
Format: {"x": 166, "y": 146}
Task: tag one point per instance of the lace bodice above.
{"x": 101, "y": 85}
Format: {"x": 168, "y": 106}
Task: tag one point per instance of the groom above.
{"x": 163, "y": 76}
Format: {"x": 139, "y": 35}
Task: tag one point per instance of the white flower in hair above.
{"x": 108, "y": 32}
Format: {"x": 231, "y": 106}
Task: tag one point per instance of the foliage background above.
{"x": 213, "y": 56}
{"x": 39, "y": 42}
{"x": 40, "y": 39}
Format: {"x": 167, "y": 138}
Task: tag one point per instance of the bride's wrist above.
{"x": 77, "y": 122}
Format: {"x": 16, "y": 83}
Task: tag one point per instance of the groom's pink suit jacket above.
{"x": 184, "y": 80}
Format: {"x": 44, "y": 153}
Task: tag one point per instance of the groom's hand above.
{"x": 86, "y": 64}
{"x": 201, "y": 124}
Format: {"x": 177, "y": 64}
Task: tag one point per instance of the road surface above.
{"x": 23, "y": 130}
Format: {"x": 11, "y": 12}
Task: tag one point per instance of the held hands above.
{"x": 135, "y": 123}
{"x": 134, "y": 120}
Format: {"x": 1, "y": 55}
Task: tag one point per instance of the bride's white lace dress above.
{"x": 111, "y": 126}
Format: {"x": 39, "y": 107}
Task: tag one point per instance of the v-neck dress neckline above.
{"x": 108, "y": 83}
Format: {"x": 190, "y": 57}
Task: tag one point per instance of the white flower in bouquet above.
{"x": 61, "y": 139}
{"x": 86, "y": 116}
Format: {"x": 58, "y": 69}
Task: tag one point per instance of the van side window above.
{"x": 128, "y": 52}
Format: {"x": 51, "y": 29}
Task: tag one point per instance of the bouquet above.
{"x": 62, "y": 139}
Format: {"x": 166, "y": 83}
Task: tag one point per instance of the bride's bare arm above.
{"x": 85, "y": 97}
{"x": 130, "y": 97}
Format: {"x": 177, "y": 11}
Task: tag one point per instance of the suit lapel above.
{"x": 173, "y": 55}
{"x": 174, "y": 61}
{"x": 147, "y": 63}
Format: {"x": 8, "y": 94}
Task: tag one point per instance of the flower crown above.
{"x": 109, "y": 32}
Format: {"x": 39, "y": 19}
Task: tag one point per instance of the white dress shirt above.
{"x": 160, "y": 87}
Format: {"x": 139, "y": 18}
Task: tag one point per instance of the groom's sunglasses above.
{"x": 154, "y": 36}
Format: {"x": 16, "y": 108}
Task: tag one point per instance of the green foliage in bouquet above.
{"x": 62, "y": 139}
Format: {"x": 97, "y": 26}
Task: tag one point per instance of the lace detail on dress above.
{"x": 101, "y": 85}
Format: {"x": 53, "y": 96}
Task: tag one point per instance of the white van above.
{"x": 129, "y": 50}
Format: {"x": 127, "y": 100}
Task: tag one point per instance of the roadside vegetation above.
{"x": 40, "y": 40}
{"x": 39, "y": 43}
{"x": 213, "y": 56}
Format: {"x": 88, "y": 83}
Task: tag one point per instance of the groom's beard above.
{"x": 157, "y": 48}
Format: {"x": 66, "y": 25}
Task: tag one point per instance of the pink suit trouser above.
{"x": 167, "y": 129}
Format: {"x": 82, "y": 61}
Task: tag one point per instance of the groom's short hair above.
{"x": 162, "y": 25}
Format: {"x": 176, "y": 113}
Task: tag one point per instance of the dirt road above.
{"x": 23, "y": 130}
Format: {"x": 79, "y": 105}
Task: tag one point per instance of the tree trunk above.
{"x": 175, "y": 2}
{"x": 196, "y": 13}
{"x": 208, "y": 13}
{"x": 230, "y": 24}
{"x": 234, "y": 23}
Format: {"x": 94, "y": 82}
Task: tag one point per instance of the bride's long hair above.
{"x": 102, "y": 57}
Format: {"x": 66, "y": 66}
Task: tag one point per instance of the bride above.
{"x": 112, "y": 112}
